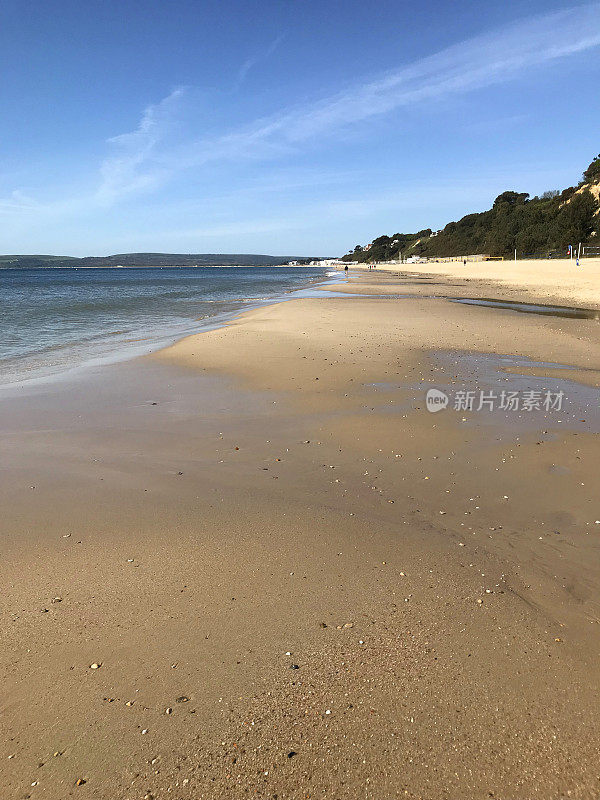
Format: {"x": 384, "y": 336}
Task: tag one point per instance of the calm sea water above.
{"x": 55, "y": 319}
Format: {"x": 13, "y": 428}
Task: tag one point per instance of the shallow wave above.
{"x": 55, "y": 320}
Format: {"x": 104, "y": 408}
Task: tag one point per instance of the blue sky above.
{"x": 282, "y": 127}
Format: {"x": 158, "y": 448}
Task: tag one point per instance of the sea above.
{"x": 56, "y": 320}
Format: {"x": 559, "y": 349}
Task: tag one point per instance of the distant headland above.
{"x": 152, "y": 260}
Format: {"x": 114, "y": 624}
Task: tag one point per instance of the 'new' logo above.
{"x": 435, "y": 400}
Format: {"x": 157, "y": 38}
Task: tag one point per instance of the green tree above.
{"x": 592, "y": 173}
{"x": 575, "y": 221}
{"x": 511, "y": 198}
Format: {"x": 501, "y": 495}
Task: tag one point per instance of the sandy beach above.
{"x": 557, "y": 279}
{"x": 254, "y": 565}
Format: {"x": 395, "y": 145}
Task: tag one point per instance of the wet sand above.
{"x": 295, "y": 580}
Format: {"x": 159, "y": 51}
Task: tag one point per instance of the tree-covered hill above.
{"x": 541, "y": 226}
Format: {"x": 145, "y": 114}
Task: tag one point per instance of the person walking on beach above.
{"x": 346, "y": 269}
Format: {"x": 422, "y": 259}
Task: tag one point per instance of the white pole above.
{"x": 515, "y": 253}
{"x": 579, "y": 251}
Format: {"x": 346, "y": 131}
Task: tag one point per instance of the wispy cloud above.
{"x": 250, "y": 63}
{"x": 17, "y": 201}
{"x": 163, "y": 145}
{"x": 492, "y": 58}
{"x": 145, "y": 156}
{"x": 121, "y": 171}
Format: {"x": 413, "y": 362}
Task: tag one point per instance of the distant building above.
{"x": 444, "y": 259}
{"x": 327, "y": 262}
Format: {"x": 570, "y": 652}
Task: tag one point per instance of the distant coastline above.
{"x": 129, "y": 260}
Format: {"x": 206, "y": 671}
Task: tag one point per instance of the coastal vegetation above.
{"x": 542, "y": 226}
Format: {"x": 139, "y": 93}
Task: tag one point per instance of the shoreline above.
{"x": 350, "y": 594}
{"x": 129, "y": 350}
{"x": 486, "y": 274}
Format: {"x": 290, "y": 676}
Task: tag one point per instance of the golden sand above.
{"x": 293, "y": 580}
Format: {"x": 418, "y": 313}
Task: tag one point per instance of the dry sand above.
{"x": 551, "y": 279}
{"x": 296, "y": 582}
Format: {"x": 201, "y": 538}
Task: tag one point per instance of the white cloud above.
{"x": 17, "y": 201}
{"x": 250, "y": 63}
{"x": 145, "y": 157}
{"x": 121, "y": 173}
{"x": 489, "y": 59}
{"x": 162, "y": 145}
